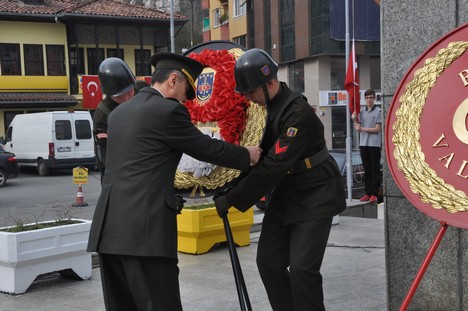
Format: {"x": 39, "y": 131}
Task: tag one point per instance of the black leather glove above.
{"x": 179, "y": 202}
{"x": 221, "y": 193}
{"x": 222, "y": 206}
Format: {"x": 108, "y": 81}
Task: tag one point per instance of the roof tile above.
{"x": 48, "y": 97}
{"x": 89, "y": 7}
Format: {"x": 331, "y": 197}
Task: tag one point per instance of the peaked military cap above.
{"x": 188, "y": 66}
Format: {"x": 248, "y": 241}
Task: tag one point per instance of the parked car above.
{"x": 9, "y": 168}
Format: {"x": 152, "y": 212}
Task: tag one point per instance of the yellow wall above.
{"x": 237, "y": 25}
{"x": 45, "y": 33}
{"x": 33, "y": 33}
{"x": 33, "y": 84}
{"x": 129, "y": 52}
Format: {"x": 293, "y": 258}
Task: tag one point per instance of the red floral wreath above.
{"x": 225, "y": 106}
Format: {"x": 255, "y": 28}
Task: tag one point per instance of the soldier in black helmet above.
{"x": 117, "y": 82}
{"x": 305, "y": 185}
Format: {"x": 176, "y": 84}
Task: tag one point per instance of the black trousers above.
{"x": 371, "y": 161}
{"x": 299, "y": 247}
{"x": 140, "y": 283}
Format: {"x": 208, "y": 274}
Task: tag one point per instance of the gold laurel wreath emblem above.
{"x": 220, "y": 176}
{"x": 411, "y": 160}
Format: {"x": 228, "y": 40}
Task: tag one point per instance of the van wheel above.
{"x": 42, "y": 168}
{"x": 3, "y": 178}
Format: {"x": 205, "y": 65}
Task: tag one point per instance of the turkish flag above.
{"x": 91, "y": 89}
{"x": 352, "y": 83}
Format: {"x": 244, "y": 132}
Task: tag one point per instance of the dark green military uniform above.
{"x": 103, "y": 110}
{"x": 306, "y": 195}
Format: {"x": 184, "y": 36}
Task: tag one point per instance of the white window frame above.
{"x": 240, "y": 8}
{"x": 216, "y": 15}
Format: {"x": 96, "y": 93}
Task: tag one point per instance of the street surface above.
{"x": 30, "y": 198}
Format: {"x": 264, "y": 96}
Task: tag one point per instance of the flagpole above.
{"x": 349, "y": 166}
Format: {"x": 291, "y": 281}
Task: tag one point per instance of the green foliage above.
{"x": 64, "y": 217}
{"x": 20, "y": 227}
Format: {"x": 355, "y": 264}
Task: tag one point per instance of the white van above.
{"x": 49, "y": 140}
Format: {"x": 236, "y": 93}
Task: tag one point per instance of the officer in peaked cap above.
{"x": 186, "y": 65}
{"x": 134, "y": 228}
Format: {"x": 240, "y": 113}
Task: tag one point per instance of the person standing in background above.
{"x": 369, "y": 126}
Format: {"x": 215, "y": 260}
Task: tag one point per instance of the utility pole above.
{"x": 191, "y": 23}
{"x": 172, "y": 26}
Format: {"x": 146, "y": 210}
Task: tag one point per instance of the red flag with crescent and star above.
{"x": 91, "y": 89}
{"x": 352, "y": 83}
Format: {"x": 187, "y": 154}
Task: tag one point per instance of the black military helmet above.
{"x": 115, "y": 77}
{"x": 253, "y": 69}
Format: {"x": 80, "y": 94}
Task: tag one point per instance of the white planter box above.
{"x": 25, "y": 255}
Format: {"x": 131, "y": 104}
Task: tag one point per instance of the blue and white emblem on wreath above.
{"x": 205, "y": 86}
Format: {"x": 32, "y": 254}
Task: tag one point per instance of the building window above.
{"x": 337, "y": 73}
{"x": 338, "y": 127}
{"x": 142, "y": 62}
{"x": 7, "y": 118}
{"x": 206, "y": 24}
{"x": 220, "y": 17}
{"x": 76, "y": 61}
{"x": 119, "y": 53}
{"x": 33, "y": 60}
{"x": 240, "y": 7}
{"x": 296, "y": 76}
{"x": 10, "y": 62}
{"x": 55, "y": 55}
{"x": 288, "y": 37}
{"x": 95, "y": 58}
{"x": 241, "y": 40}
{"x": 375, "y": 73}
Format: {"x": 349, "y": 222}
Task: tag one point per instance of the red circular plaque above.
{"x": 426, "y": 132}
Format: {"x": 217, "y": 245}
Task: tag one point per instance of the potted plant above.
{"x": 200, "y": 228}
{"x": 28, "y": 250}
{"x": 223, "y": 19}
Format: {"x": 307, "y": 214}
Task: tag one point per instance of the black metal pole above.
{"x": 236, "y": 268}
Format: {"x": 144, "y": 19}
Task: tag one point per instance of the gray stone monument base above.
{"x": 408, "y": 29}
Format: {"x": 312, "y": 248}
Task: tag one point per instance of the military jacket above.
{"x": 292, "y": 134}
{"x": 100, "y": 127}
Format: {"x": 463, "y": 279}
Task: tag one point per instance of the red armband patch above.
{"x": 101, "y": 135}
{"x": 279, "y": 149}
